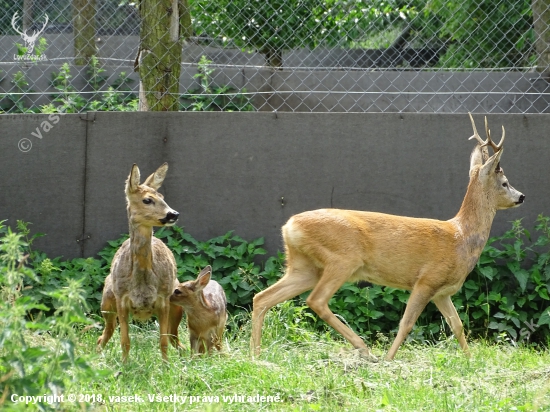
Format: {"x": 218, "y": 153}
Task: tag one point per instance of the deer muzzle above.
{"x": 170, "y": 218}
{"x": 520, "y": 200}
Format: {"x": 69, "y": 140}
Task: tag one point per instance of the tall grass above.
{"x": 50, "y": 362}
{"x": 305, "y": 370}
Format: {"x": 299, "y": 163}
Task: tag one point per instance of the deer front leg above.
{"x": 176, "y": 313}
{"x": 448, "y": 310}
{"x": 164, "y": 320}
{"x": 420, "y": 296}
{"x": 123, "y": 318}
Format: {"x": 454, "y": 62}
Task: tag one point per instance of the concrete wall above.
{"x": 250, "y": 172}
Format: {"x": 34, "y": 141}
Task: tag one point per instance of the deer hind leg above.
{"x": 420, "y": 296}
{"x": 108, "y": 310}
{"x": 218, "y": 344}
{"x": 198, "y": 343}
{"x": 300, "y": 277}
{"x": 448, "y": 310}
{"x": 330, "y": 282}
{"x": 176, "y": 313}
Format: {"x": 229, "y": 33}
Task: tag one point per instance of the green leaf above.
{"x": 545, "y": 317}
{"x": 522, "y": 276}
{"x": 494, "y": 325}
{"x": 487, "y": 271}
{"x": 350, "y": 299}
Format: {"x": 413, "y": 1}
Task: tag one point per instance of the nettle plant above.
{"x": 506, "y": 297}
{"x": 38, "y": 354}
{"x": 234, "y": 263}
{"x": 208, "y": 97}
{"x": 509, "y": 291}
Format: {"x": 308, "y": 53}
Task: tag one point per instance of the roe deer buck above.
{"x": 143, "y": 270}
{"x": 204, "y": 303}
{"x": 326, "y": 248}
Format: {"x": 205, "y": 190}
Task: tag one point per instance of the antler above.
{"x": 13, "y": 23}
{"x": 487, "y": 142}
{"x": 44, "y": 26}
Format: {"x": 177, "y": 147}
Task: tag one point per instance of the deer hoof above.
{"x": 366, "y": 354}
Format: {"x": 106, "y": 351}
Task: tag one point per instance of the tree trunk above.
{"x": 84, "y": 30}
{"x": 185, "y": 19}
{"x": 27, "y": 14}
{"x": 163, "y": 24}
{"x": 541, "y": 20}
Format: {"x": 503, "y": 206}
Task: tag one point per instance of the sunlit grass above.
{"x": 306, "y": 371}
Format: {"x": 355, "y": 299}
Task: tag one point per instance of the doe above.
{"x": 143, "y": 270}
{"x": 326, "y": 248}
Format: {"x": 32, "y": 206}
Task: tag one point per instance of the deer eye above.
{"x": 147, "y": 201}
{"x": 177, "y": 292}
{"x": 505, "y": 185}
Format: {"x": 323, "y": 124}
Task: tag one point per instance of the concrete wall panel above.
{"x": 249, "y": 172}
{"x": 44, "y": 183}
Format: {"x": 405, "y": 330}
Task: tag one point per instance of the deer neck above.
{"x": 474, "y": 219}
{"x": 141, "y": 249}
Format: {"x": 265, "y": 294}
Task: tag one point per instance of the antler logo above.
{"x": 29, "y": 40}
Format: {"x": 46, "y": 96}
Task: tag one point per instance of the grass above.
{"x": 304, "y": 370}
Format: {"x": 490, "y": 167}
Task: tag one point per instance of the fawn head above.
{"x": 188, "y": 293}
{"x": 487, "y": 171}
{"x": 146, "y": 206}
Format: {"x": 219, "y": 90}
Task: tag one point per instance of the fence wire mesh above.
{"x": 287, "y": 55}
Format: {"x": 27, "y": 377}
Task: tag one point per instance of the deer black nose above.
{"x": 172, "y": 216}
{"x": 521, "y": 199}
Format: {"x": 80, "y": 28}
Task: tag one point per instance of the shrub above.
{"x": 505, "y": 297}
{"x": 37, "y": 355}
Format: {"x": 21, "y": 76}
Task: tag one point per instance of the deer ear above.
{"x": 476, "y": 158}
{"x": 491, "y": 165}
{"x": 155, "y": 180}
{"x": 133, "y": 180}
{"x": 203, "y": 278}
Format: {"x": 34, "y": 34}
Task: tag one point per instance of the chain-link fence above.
{"x": 284, "y": 55}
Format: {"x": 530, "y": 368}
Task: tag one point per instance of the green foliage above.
{"x": 233, "y": 260}
{"x": 96, "y": 78}
{"x": 68, "y": 98}
{"x": 37, "y": 356}
{"x": 350, "y": 22}
{"x": 208, "y": 98}
{"x": 482, "y": 34}
{"x": 113, "y": 100}
{"x": 269, "y": 27}
{"x": 509, "y": 290}
{"x": 91, "y": 273}
{"x": 507, "y": 296}
{"x": 274, "y": 26}
{"x": 116, "y": 98}
{"x": 16, "y": 101}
